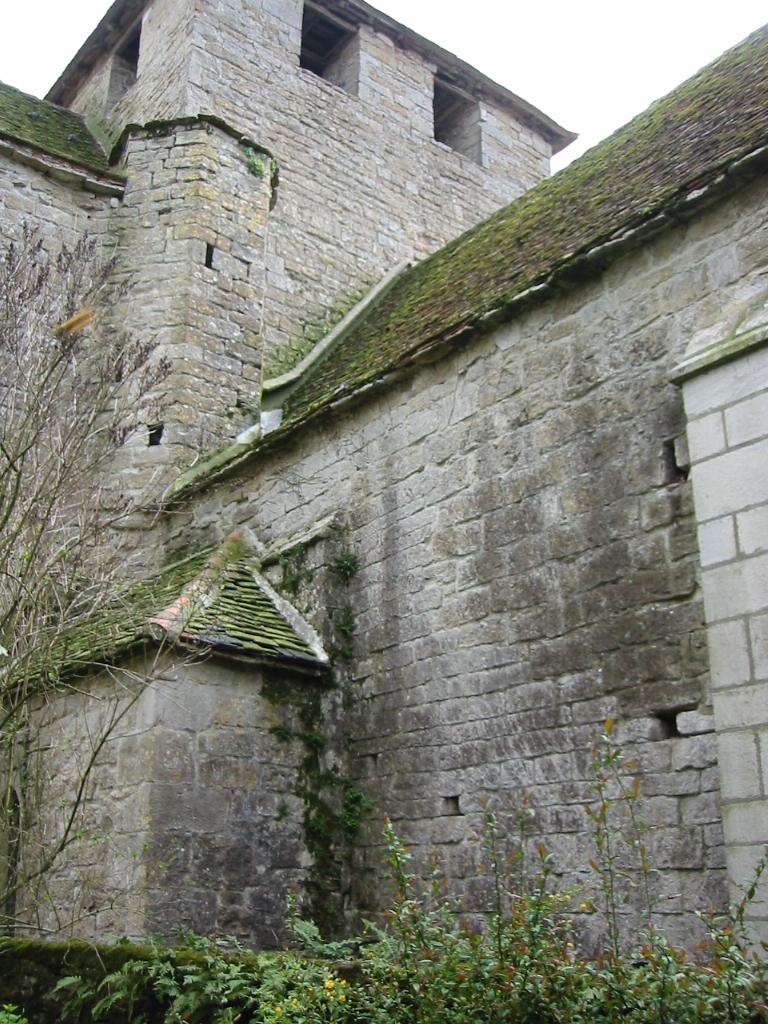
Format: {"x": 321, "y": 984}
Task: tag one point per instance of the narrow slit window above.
{"x": 209, "y": 251}
{"x": 457, "y": 121}
{"x": 329, "y": 49}
{"x": 155, "y": 435}
{"x": 451, "y": 805}
{"x": 125, "y": 66}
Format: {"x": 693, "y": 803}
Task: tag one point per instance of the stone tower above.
{"x": 279, "y": 158}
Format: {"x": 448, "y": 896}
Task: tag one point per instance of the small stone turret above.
{"x": 192, "y": 232}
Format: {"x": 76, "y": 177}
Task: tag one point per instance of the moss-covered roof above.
{"x": 685, "y": 149}
{"x": 52, "y": 129}
{"x": 240, "y": 618}
{"x": 207, "y": 601}
{"x": 680, "y": 143}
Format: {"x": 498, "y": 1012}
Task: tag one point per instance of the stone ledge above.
{"x": 720, "y": 352}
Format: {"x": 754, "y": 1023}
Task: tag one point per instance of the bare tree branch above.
{"x": 72, "y": 392}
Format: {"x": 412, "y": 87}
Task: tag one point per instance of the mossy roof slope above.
{"x": 241, "y": 618}
{"x": 680, "y": 143}
{"x": 234, "y": 616}
{"x": 49, "y": 128}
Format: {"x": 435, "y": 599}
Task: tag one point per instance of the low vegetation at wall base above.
{"x": 425, "y": 963}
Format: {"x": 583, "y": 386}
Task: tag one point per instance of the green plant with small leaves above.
{"x": 294, "y": 575}
{"x": 257, "y": 163}
{"x": 425, "y": 964}
{"x": 354, "y": 808}
{"x": 10, "y": 1015}
{"x": 345, "y": 566}
{"x": 212, "y": 981}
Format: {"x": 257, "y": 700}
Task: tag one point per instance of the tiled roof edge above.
{"x": 100, "y": 182}
{"x": 62, "y": 134}
{"x": 297, "y": 622}
{"x": 580, "y": 266}
{"x": 275, "y": 388}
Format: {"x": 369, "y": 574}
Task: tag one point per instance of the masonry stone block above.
{"x": 747, "y": 420}
{"x": 706, "y": 436}
{"x": 692, "y": 723}
{"x": 742, "y": 708}
{"x": 739, "y": 766}
{"x": 693, "y": 752}
{"x": 683, "y": 850}
{"x": 703, "y": 809}
{"x": 752, "y": 527}
{"x": 726, "y": 384}
{"x": 717, "y": 540}
{"x": 758, "y": 635}
{"x": 729, "y": 653}
{"x": 742, "y": 864}
{"x": 746, "y": 822}
{"x": 731, "y": 481}
{"x": 736, "y": 588}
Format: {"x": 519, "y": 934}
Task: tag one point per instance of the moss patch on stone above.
{"x": 30, "y": 970}
{"x": 117, "y": 628}
{"x": 294, "y": 351}
{"x": 241, "y": 618}
{"x": 52, "y": 129}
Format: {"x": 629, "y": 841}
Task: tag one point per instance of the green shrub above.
{"x": 425, "y": 965}
{"x": 10, "y": 1015}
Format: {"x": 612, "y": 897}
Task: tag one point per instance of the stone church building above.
{"x": 459, "y": 461}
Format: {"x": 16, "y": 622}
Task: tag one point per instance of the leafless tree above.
{"x": 72, "y": 390}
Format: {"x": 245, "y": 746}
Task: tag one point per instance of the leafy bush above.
{"x": 223, "y": 984}
{"x": 425, "y": 965}
{"x": 9, "y": 1015}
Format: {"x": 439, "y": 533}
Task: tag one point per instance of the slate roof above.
{"x": 648, "y": 174}
{"x": 214, "y": 601}
{"x": 51, "y": 129}
{"x": 239, "y": 616}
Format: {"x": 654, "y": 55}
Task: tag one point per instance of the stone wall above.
{"x": 160, "y": 87}
{"x": 54, "y": 200}
{"x": 190, "y": 817}
{"x": 528, "y": 568}
{"x": 80, "y": 861}
{"x": 726, "y": 403}
{"x": 363, "y": 183}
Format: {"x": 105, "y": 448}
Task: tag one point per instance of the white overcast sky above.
{"x": 590, "y": 64}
